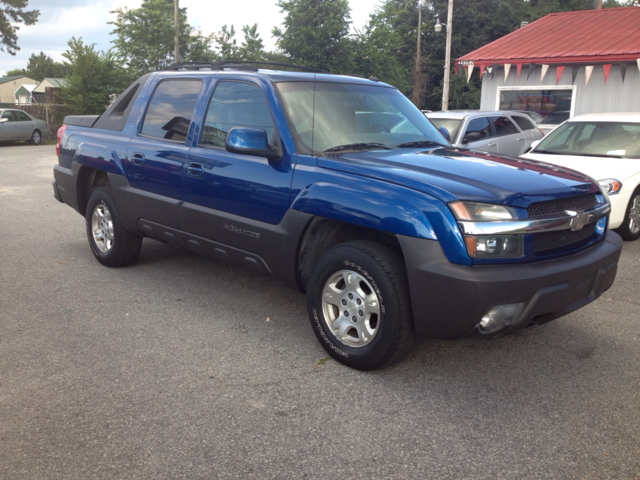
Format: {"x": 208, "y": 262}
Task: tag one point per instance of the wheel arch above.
{"x": 321, "y": 234}
{"x": 88, "y": 179}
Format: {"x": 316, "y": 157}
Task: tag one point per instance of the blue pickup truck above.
{"x": 341, "y": 188}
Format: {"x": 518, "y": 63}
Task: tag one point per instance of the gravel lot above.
{"x": 184, "y": 367}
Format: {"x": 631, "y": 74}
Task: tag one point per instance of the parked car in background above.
{"x": 503, "y": 132}
{"x": 605, "y": 146}
{"x": 19, "y": 125}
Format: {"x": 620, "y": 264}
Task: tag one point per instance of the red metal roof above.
{"x": 587, "y": 36}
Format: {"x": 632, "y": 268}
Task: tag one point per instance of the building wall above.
{"x": 8, "y": 89}
{"x": 595, "y": 97}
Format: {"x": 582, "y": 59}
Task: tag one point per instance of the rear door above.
{"x": 510, "y": 140}
{"x": 478, "y": 135}
{"x": 156, "y": 156}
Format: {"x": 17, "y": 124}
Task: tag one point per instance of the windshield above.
{"x": 451, "y": 124}
{"x": 337, "y": 116}
{"x": 600, "y": 139}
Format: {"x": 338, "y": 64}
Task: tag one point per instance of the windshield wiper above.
{"x": 420, "y": 143}
{"x": 357, "y": 146}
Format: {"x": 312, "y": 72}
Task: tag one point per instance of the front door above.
{"x": 233, "y": 198}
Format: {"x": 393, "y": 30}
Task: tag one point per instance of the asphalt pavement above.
{"x": 182, "y": 367}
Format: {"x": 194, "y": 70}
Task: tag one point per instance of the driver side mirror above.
{"x": 2, "y": 120}
{"x": 445, "y": 133}
{"x": 472, "y": 137}
{"x": 251, "y": 141}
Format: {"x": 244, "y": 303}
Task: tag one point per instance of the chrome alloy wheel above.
{"x": 634, "y": 215}
{"x": 351, "y": 308}
{"x": 102, "y": 227}
{"x": 36, "y": 138}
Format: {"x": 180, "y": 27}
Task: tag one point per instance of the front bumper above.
{"x": 448, "y": 300}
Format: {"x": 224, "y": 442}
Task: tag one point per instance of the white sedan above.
{"x": 605, "y": 146}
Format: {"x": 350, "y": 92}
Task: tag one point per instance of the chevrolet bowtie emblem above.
{"x": 579, "y": 220}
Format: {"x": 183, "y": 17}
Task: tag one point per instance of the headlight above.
{"x": 488, "y": 246}
{"x": 482, "y": 212}
{"x": 610, "y": 186}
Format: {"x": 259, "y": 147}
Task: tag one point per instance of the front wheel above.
{"x": 359, "y": 307}
{"x": 111, "y": 244}
{"x": 630, "y": 228}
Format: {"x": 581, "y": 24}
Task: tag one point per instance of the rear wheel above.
{"x": 111, "y": 244}
{"x": 630, "y": 228}
{"x": 359, "y": 307}
{"x": 36, "y": 138}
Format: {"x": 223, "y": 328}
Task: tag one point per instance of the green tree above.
{"x": 94, "y": 79}
{"x": 225, "y": 44}
{"x": 42, "y": 65}
{"x": 315, "y": 33}
{"x": 145, "y": 37}
{"x": 12, "y": 13}
{"x": 252, "y": 47}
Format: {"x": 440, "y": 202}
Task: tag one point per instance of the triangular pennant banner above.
{"x": 494, "y": 68}
{"x": 638, "y": 62}
{"x": 574, "y": 74}
{"x": 469, "y": 70}
{"x": 623, "y": 70}
{"x": 481, "y": 70}
{"x": 544, "y": 71}
{"x": 605, "y": 70}
{"x": 507, "y": 67}
{"x": 518, "y": 68}
{"x": 559, "y": 70}
{"x": 587, "y": 73}
{"x": 530, "y": 70}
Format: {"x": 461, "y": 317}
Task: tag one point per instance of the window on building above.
{"x": 552, "y": 103}
{"x": 170, "y": 110}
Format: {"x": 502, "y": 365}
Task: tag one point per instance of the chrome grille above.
{"x": 556, "y": 208}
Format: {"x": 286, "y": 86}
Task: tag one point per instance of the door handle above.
{"x": 137, "y": 158}
{"x": 195, "y": 169}
{"x": 520, "y": 139}
{"x": 491, "y": 144}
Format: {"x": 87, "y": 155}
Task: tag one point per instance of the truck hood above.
{"x": 458, "y": 174}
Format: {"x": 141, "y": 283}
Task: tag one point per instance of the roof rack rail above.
{"x": 248, "y": 65}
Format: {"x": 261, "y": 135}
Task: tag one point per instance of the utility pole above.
{"x": 416, "y": 95}
{"x": 176, "y": 50}
{"x": 447, "y": 60}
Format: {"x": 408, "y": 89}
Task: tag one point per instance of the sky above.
{"x": 62, "y": 19}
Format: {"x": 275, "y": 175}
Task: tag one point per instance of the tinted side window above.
{"x": 170, "y": 109}
{"x": 504, "y": 126}
{"x": 524, "y": 123}
{"x": 478, "y": 129}
{"x": 22, "y": 117}
{"x": 234, "y": 104}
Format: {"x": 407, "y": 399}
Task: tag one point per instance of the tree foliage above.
{"x": 12, "y": 13}
{"x": 315, "y": 33}
{"x": 145, "y": 37}
{"x": 41, "y": 66}
{"x": 94, "y": 78}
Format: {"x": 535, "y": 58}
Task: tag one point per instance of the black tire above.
{"x": 111, "y": 244}
{"x": 630, "y": 228}
{"x": 378, "y": 336}
{"x": 36, "y": 138}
